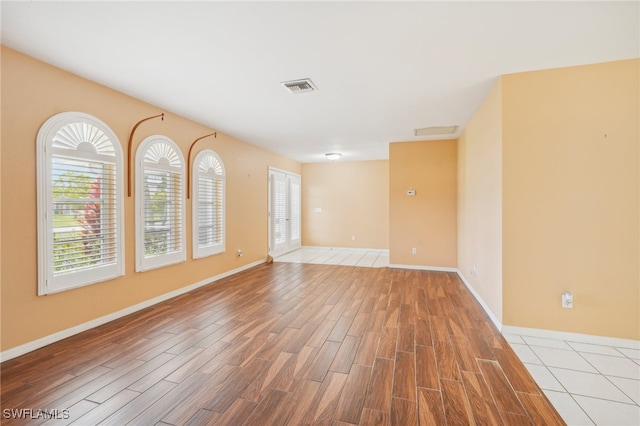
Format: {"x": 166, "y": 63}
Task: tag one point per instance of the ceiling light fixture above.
{"x": 333, "y": 156}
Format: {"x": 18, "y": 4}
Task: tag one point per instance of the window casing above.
{"x": 80, "y": 204}
{"x": 160, "y": 205}
{"x": 208, "y": 209}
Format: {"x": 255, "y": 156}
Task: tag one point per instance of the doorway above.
{"x": 284, "y": 212}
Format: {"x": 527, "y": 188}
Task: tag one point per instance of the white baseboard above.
{"x": 488, "y": 311}
{"x": 485, "y": 307}
{"x": 423, "y": 267}
{"x": 552, "y": 334}
{"x": 572, "y": 337}
{"x": 52, "y": 338}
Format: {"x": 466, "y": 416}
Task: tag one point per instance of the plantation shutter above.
{"x": 84, "y": 215}
{"x": 80, "y": 228}
{"x": 162, "y": 212}
{"x": 208, "y": 207}
{"x": 160, "y": 236}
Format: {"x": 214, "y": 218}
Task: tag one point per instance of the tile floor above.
{"x": 333, "y": 256}
{"x": 588, "y": 384}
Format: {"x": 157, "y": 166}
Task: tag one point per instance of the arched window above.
{"x": 208, "y": 204}
{"x": 80, "y": 220}
{"x": 160, "y": 210}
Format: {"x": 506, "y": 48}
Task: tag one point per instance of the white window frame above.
{"x": 208, "y": 165}
{"x": 97, "y": 144}
{"x": 169, "y": 160}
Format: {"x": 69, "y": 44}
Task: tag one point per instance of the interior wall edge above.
{"x": 63, "y": 334}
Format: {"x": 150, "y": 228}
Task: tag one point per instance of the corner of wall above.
{"x": 480, "y": 204}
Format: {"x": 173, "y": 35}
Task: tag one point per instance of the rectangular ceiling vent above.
{"x": 300, "y": 86}
{"x": 436, "y": 130}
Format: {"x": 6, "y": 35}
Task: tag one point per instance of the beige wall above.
{"x": 31, "y": 93}
{"x": 354, "y": 199}
{"x": 426, "y": 221}
{"x": 571, "y": 198}
{"x": 543, "y": 196}
{"x": 480, "y": 201}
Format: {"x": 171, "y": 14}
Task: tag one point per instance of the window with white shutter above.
{"x": 160, "y": 209}
{"x": 80, "y": 184}
{"x": 208, "y": 204}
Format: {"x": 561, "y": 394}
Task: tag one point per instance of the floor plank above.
{"x": 352, "y": 399}
{"x": 426, "y": 368}
{"x": 539, "y": 410}
{"x": 404, "y": 376}
{"x": 289, "y": 344}
{"x": 504, "y": 395}
{"x": 430, "y": 408}
{"x": 482, "y": 405}
{"x": 456, "y": 405}
{"x": 403, "y": 412}
{"x": 375, "y": 418}
{"x": 380, "y": 385}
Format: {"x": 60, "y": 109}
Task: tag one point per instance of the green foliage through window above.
{"x": 78, "y": 238}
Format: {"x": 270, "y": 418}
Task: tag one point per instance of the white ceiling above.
{"x": 382, "y": 68}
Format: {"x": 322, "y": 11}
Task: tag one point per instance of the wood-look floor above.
{"x": 289, "y": 344}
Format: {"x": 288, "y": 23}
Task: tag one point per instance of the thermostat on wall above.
{"x": 411, "y": 192}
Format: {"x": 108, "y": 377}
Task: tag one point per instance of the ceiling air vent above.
{"x": 436, "y": 130}
{"x": 300, "y": 86}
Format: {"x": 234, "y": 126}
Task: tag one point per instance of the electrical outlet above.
{"x": 414, "y": 250}
{"x": 474, "y": 271}
{"x": 567, "y": 300}
{"x": 353, "y": 238}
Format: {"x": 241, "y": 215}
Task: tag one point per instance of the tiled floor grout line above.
{"x": 580, "y": 406}
{"x": 563, "y": 387}
{"x": 618, "y": 387}
{"x": 598, "y": 373}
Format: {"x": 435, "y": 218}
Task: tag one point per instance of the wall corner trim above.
{"x": 63, "y": 334}
{"x": 493, "y": 318}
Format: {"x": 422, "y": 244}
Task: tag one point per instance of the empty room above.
{"x": 339, "y": 213}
